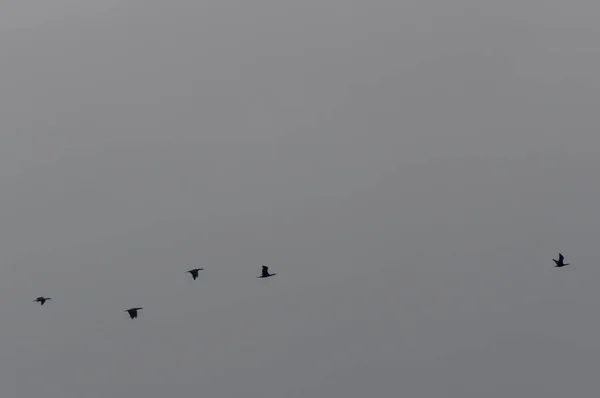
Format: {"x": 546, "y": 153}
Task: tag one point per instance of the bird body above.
{"x": 133, "y": 312}
{"x": 194, "y": 272}
{"x": 42, "y": 300}
{"x": 265, "y": 272}
{"x": 560, "y": 262}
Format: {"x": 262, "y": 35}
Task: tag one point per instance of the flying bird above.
{"x": 265, "y": 272}
{"x": 560, "y": 262}
{"x": 133, "y": 312}
{"x": 42, "y": 300}
{"x": 194, "y": 272}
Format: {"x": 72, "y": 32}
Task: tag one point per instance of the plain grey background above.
{"x": 408, "y": 168}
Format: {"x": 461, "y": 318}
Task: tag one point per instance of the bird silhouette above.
{"x": 194, "y": 272}
{"x": 560, "y": 262}
{"x": 133, "y": 312}
{"x": 42, "y": 300}
{"x": 265, "y": 272}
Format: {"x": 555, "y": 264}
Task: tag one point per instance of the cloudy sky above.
{"x": 408, "y": 168}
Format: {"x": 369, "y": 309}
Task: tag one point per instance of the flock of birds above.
{"x": 133, "y": 312}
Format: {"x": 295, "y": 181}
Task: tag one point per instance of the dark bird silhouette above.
{"x": 133, "y": 312}
{"x": 560, "y": 262}
{"x": 42, "y": 300}
{"x": 265, "y": 272}
{"x": 194, "y": 272}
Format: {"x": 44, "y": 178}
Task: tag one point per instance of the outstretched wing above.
{"x": 560, "y": 257}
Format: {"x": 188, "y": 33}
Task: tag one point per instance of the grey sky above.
{"x": 408, "y": 168}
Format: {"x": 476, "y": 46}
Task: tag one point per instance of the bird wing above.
{"x": 560, "y": 257}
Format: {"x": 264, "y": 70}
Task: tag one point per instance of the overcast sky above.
{"x": 409, "y": 168}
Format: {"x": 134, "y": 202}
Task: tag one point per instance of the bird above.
{"x": 42, "y": 300}
{"x": 133, "y": 312}
{"x": 560, "y": 262}
{"x": 194, "y": 272}
{"x": 265, "y": 272}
